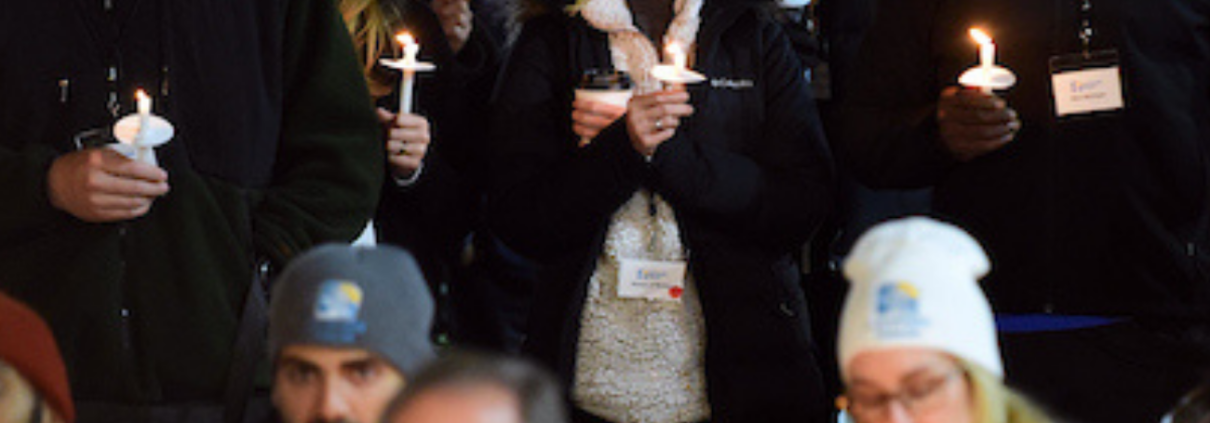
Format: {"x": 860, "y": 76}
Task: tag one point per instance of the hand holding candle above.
{"x": 652, "y": 119}
{"x": 407, "y": 142}
{"x": 600, "y": 99}
{"x": 100, "y": 185}
{"x": 972, "y": 123}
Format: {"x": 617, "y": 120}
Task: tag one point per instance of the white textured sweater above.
{"x": 638, "y": 360}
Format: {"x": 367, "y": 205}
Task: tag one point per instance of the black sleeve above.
{"x": 27, "y": 210}
{"x": 547, "y": 195}
{"x": 458, "y": 108}
{"x": 330, "y": 162}
{"x": 443, "y": 205}
{"x": 777, "y": 192}
{"x": 888, "y": 125}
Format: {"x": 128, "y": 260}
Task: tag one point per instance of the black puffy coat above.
{"x": 749, "y": 177}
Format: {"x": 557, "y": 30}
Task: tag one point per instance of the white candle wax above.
{"x": 144, "y": 108}
{"x": 674, "y": 50}
{"x": 987, "y": 55}
{"x": 407, "y": 85}
{"x": 144, "y": 103}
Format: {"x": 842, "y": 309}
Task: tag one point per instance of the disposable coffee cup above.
{"x": 604, "y": 86}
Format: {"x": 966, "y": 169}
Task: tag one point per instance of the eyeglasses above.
{"x": 916, "y": 398}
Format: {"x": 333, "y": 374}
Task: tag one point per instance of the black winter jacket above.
{"x": 1103, "y": 216}
{"x": 276, "y": 150}
{"x": 749, "y": 177}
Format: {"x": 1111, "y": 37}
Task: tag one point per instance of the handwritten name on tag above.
{"x": 1087, "y": 90}
{"x": 652, "y": 280}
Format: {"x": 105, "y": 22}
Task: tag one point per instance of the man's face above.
{"x": 314, "y": 384}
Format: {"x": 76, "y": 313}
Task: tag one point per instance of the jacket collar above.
{"x": 717, "y": 17}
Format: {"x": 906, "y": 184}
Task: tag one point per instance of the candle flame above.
{"x": 140, "y": 95}
{"x": 674, "y": 49}
{"x": 405, "y": 38}
{"x": 980, "y": 37}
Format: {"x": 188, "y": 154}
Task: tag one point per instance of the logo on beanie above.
{"x": 339, "y": 301}
{"x": 898, "y": 311}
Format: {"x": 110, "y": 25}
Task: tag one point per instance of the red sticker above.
{"x": 676, "y": 292}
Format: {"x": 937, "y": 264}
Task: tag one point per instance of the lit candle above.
{"x": 141, "y": 132}
{"x": 675, "y": 70}
{"x": 987, "y": 54}
{"x": 144, "y": 104}
{"x": 144, "y": 108}
{"x": 674, "y": 50}
{"x": 410, "y": 49}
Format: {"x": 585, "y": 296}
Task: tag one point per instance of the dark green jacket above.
{"x": 277, "y": 149}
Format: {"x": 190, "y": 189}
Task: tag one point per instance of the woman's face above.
{"x": 908, "y": 385}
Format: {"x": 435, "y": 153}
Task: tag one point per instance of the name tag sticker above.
{"x": 651, "y": 280}
{"x": 1084, "y": 84}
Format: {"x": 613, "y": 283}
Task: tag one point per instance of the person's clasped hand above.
{"x": 653, "y": 118}
{"x": 589, "y": 118}
{"x": 100, "y": 185}
{"x": 407, "y": 141}
{"x": 973, "y": 123}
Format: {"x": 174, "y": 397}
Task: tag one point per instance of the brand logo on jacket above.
{"x": 732, "y": 84}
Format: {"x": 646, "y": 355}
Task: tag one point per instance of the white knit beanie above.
{"x": 915, "y": 284}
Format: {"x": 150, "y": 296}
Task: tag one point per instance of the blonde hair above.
{"x": 370, "y": 25}
{"x": 996, "y": 403}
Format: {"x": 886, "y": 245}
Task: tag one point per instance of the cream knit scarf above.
{"x": 632, "y": 51}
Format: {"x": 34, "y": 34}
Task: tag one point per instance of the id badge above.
{"x": 1085, "y": 84}
{"x": 651, "y": 280}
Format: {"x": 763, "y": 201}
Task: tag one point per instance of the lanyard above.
{"x": 1086, "y": 32}
{"x": 111, "y": 51}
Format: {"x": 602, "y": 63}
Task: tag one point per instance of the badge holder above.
{"x": 1087, "y": 84}
{"x": 660, "y": 280}
{"x": 91, "y": 138}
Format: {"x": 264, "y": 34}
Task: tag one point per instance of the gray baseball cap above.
{"x": 353, "y": 297}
